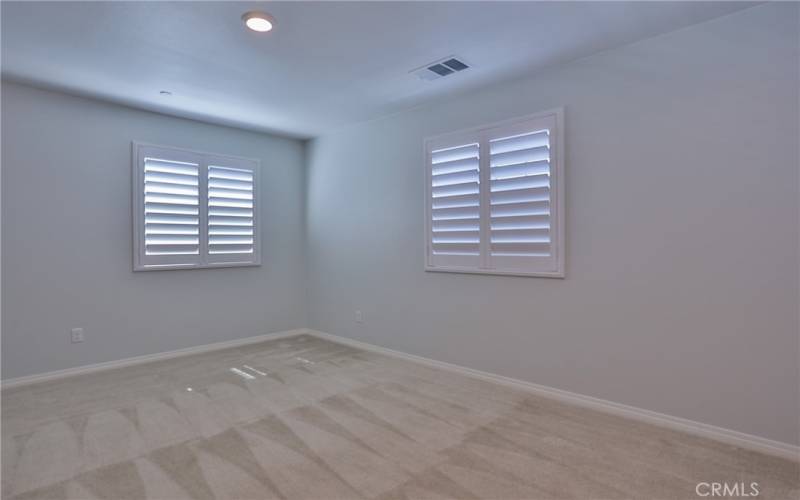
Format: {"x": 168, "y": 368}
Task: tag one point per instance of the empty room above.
{"x": 400, "y": 250}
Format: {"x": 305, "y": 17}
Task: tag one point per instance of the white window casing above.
{"x": 193, "y": 209}
{"x": 494, "y": 198}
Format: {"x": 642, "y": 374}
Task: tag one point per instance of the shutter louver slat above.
{"x": 456, "y": 248}
{"x": 169, "y": 188}
{"x": 521, "y": 222}
{"x": 455, "y": 213}
{"x": 539, "y": 154}
{"x": 515, "y": 209}
{"x": 521, "y": 235}
{"x": 171, "y": 229}
{"x": 456, "y": 225}
{"x": 444, "y": 156}
{"x": 231, "y": 226}
{"x": 170, "y": 167}
{"x": 522, "y": 249}
{"x": 172, "y": 239}
{"x": 521, "y": 142}
{"x": 230, "y": 212}
{"x": 227, "y": 220}
{"x": 229, "y": 230}
{"x": 520, "y": 195}
{"x": 465, "y": 236}
{"x": 455, "y": 178}
{"x": 172, "y": 250}
{"x": 456, "y": 190}
{"x": 528, "y": 181}
{"x": 166, "y": 208}
{"x": 465, "y": 200}
{"x": 516, "y": 170}
{"x": 171, "y": 208}
{"x": 174, "y": 179}
{"x": 217, "y": 200}
{"x": 230, "y": 184}
{"x": 173, "y": 219}
{"x": 230, "y": 174}
{"x": 231, "y": 194}
{"x": 226, "y": 239}
{"x": 171, "y": 199}
{"x": 454, "y": 166}
{"x": 229, "y": 248}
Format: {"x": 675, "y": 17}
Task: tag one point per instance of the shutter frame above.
{"x": 144, "y": 262}
{"x": 550, "y": 266}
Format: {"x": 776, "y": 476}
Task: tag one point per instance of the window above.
{"x": 494, "y": 198}
{"x": 193, "y": 210}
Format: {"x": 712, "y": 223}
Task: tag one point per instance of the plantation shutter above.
{"x": 193, "y": 209}
{"x": 494, "y": 201}
{"x": 455, "y": 205}
{"x": 231, "y": 212}
{"x": 168, "y": 195}
{"x": 520, "y": 201}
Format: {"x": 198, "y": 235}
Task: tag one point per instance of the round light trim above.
{"x": 258, "y": 21}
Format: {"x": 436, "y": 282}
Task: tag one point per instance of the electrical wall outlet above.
{"x": 359, "y": 317}
{"x": 76, "y": 335}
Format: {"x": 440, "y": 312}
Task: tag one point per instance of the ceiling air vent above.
{"x": 438, "y": 69}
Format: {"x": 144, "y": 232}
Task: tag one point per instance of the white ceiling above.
{"x": 325, "y": 64}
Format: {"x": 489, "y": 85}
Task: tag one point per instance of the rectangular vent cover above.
{"x": 438, "y": 69}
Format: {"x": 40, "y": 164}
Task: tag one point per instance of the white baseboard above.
{"x": 736, "y": 438}
{"x": 138, "y": 360}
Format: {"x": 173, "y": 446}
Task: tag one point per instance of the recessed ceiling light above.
{"x": 258, "y": 21}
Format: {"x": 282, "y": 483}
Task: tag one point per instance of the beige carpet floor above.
{"x": 304, "y": 418}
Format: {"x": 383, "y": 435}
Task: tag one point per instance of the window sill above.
{"x": 174, "y": 267}
{"x": 497, "y": 272}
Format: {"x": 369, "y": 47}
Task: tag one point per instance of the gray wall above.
{"x": 682, "y": 239}
{"x": 66, "y": 254}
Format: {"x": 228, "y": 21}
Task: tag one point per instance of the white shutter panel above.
{"x": 520, "y": 195}
{"x": 171, "y": 208}
{"x": 454, "y": 206}
{"x": 521, "y": 215}
{"x": 232, "y": 212}
{"x": 168, "y": 201}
